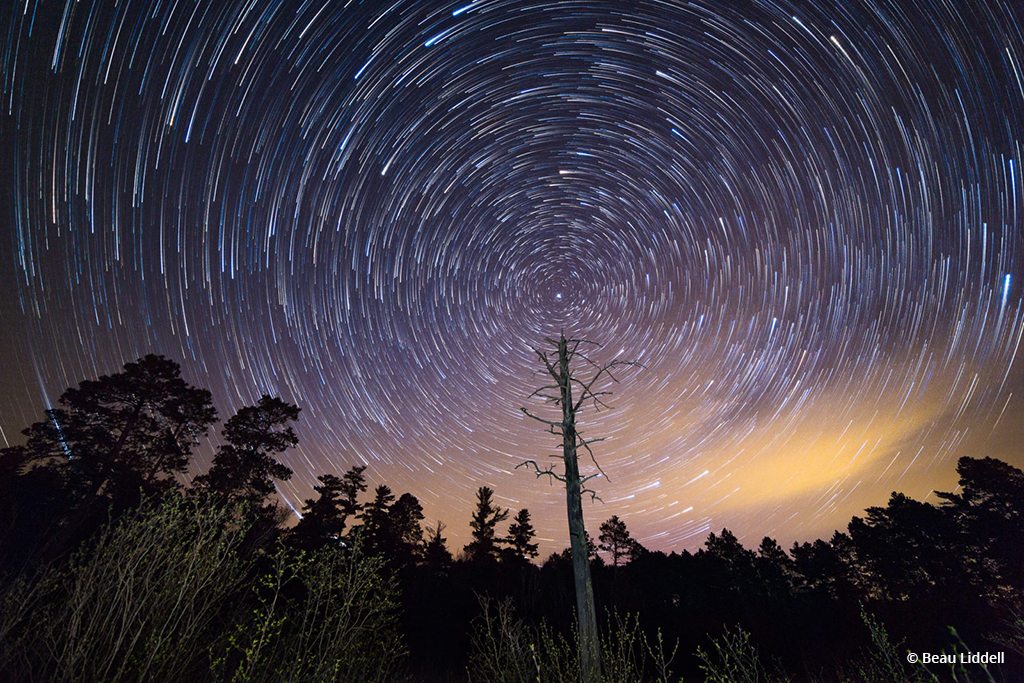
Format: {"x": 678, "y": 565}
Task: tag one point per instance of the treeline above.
{"x": 115, "y": 570}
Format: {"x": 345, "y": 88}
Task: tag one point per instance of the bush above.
{"x": 141, "y": 603}
{"x": 732, "y": 659}
{"x": 506, "y": 650}
{"x": 324, "y": 616}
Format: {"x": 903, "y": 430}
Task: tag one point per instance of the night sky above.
{"x": 804, "y": 220}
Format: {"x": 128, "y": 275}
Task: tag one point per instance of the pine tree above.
{"x": 486, "y": 517}
{"x": 435, "y": 552}
{"x": 353, "y": 483}
{"x": 109, "y": 442}
{"x": 245, "y": 466}
{"x": 520, "y": 537}
{"x": 123, "y": 433}
{"x": 376, "y": 532}
{"x": 406, "y": 534}
{"x": 614, "y": 538}
{"x": 321, "y": 520}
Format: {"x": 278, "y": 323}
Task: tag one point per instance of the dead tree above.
{"x": 563, "y": 372}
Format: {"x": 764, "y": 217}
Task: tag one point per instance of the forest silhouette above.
{"x": 115, "y": 569}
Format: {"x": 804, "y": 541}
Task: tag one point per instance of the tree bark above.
{"x": 590, "y": 650}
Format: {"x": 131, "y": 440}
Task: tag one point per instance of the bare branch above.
{"x": 586, "y": 341}
{"x": 544, "y": 359}
{"x": 586, "y": 444}
{"x": 550, "y": 423}
{"x": 588, "y": 395}
{"x": 546, "y": 472}
{"x": 589, "y": 360}
{"x": 542, "y": 389}
{"x": 605, "y": 370}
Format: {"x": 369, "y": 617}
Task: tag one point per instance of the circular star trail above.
{"x": 804, "y": 219}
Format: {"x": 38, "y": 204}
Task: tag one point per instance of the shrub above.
{"x": 506, "y": 650}
{"x": 732, "y": 659}
{"x": 330, "y": 615}
{"x": 141, "y": 603}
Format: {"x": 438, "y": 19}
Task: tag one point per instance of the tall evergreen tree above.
{"x": 321, "y": 521}
{"x": 774, "y": 568}
{"x": 376, "y": 532}
{"x": 406, "y": 534}
{"x": 520, "y": 537}
{"x": 325, "y": 518}
{"x": 989, "y": 512}
{"x": 353, "y": 483}
{"x": 908, "y": 549}
{"x": 486, "y": 517}
{"x": 123, "y": 433}
{"x": 435, "y": 553}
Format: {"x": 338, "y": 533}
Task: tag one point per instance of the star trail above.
{"x": 804, "y": 219}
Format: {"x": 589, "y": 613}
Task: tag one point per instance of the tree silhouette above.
{"x": 435, "y": 552}
{"x": 520, "y": 537}
{"x": 615, "y": 539}
{"x": 563, "y": 373}
{"x": 124, "y": 432}
{"x": 110, "y": 441}
{"x": 353, "y": 483}
{"x": 245, "y": 466}
{"x": 566, "y": 554}
{"x": 827, "y": 567}
{"x": 774, "y": 568}
{"x": 990, "y": 510}
{"x": 321, "y": 520}
{"x": 486, "y": 517}
{"x": 325, "y": 518}
{"x": 731, "y": 562}
{"x": 405, "y": 532}
{"x": 907, "y": 549}
{"x": 376, "y": 532}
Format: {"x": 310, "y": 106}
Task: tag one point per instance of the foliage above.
{"x": 406, "y": 533}
{"x": 325, "y": 518}
{"x": 507, "y": 650}
{"x": 1011, "y": 636}
{"x": 245, "y": 466}
{"x": 330, "y": 615}
{"x": 436, "y": 555}
{"x": 885, "y": 660}
{"x": 989, "y": 510}
{"x": 732, "y": 659}
{"x": 109, "y": 442}
{"x": 321, "y": 520}
{"x": 141, "y": 603}
{"x": 616, "y": 540}
{"x": 375, "y": 532}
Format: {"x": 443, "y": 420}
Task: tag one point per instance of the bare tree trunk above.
{"x": 575, "y": 484}
{"x": 590, "y": 652}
